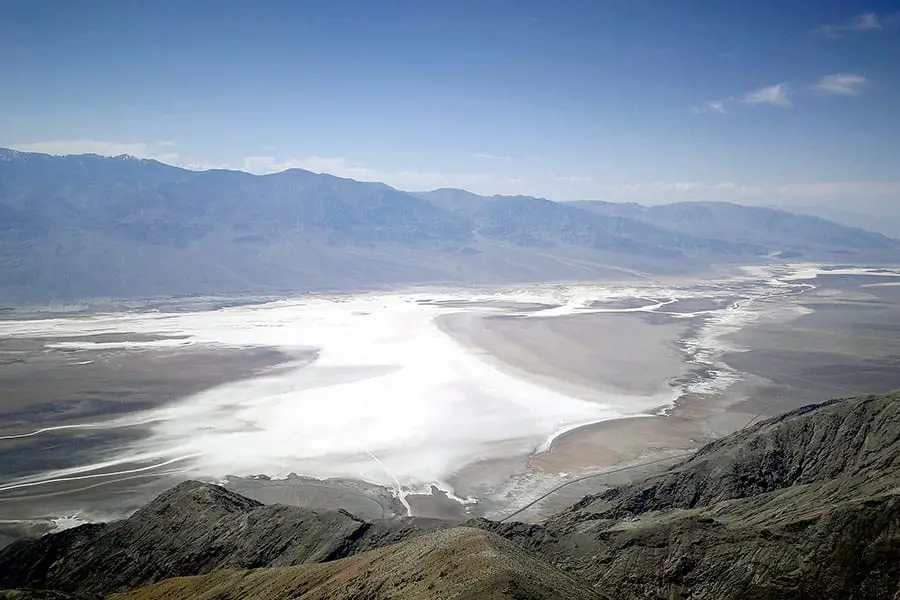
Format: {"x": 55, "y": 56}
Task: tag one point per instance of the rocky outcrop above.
{"x": 191, "y": 529}
{"x": 459, "y": 563}
{"x": 806, "y": 505}
{"x": 856, "y": 441}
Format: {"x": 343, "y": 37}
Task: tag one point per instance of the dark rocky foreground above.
{"x": 806, "y": 505}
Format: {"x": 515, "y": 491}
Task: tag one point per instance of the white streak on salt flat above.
{"x": 52, "y": 477}
{"x": 125, "y": 345}
{"x": 545, "y": 446}
{"x": 49, "y": 429}
{"x": 812, "y": 271}
{"x": 125, "y": 421}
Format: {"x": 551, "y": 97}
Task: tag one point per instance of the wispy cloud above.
{"x": 775, "y": 95}
{"x": 867, "y": 21}
{"x": 719, "y": 106}
{"x": 840, "y": 84}
{"x": 162, "y": 151}
{"x": 493, "y": 157}
{"x": 563, "y": 187}
{"x": 782, "y": 95}
{"x": 484, "y": 183}
{"x": 487, "y": 183}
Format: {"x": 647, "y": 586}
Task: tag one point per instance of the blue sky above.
{"x": 651, "y": 100}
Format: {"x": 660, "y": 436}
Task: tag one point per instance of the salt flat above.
{"x": 493, "y": 395}
{"x": 386, "y": 383}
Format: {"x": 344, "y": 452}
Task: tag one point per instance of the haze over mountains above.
{"x": 90, "y": 226}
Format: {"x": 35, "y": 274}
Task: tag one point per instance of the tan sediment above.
{"x": 595, "y": 356}
{"x": 695, "y": 421}
{"x": 619, "y": 353}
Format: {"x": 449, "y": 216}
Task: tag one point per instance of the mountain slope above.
{"x": 529, "y": 221}
{"x": 806, "y": 505}
{"x": 459, "y": 563}
{"x": 191, "y": 529}
{"x": 87, "y": 226}
{"x": 789, "y": 234}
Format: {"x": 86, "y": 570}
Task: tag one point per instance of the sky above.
{"x": 765, "y": 102}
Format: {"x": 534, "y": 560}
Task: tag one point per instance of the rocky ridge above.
{"x": 806, "y": 505}
{"x": 463, "y": 563}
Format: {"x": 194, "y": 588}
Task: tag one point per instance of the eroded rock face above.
{"x": 806, "y": 505}
{"x": 460, "y": 563}
{"x": 191, "y": 529}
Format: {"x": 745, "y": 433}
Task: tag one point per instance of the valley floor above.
{"x": 497, "y": 396}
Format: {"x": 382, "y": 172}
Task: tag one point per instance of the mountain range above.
{"x": 87, "y": 226}
{"x": 805, "y": 505}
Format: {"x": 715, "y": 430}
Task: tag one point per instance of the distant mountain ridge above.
{"x": 86, "y": 226}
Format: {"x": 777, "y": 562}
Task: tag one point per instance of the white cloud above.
{"x": 867, "y": 21}
{"x": 163, "y": 151}
{"x": 484, "y": 183}
{"x": 840, "y": 84}
{"x": 153, "y": 150}
{"x": 563, "y": 187}
{"x": 493, "y": 157}
{"x": 719, "y": 106}
{"x": 776, "y": 95}
{"x": 781, "y": 94}
{"x": 262, "y": 165}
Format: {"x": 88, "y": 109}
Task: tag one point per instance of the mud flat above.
{"x": 618, "y": 356}
{"x": 49, "y": 382}
{"x": 847, "y": 343}
{"x": 629, "y": 361}
{"x": 71, "y": 393}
